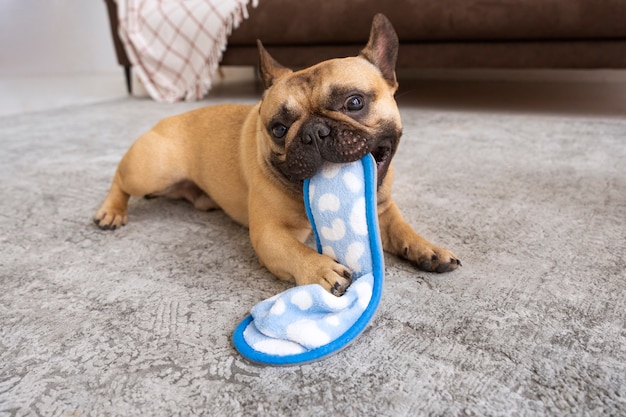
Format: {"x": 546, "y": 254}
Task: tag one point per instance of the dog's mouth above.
{"x": 304, "y": 158}
{"x": 382, "y": 156}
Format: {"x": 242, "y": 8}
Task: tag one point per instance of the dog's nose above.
{"x": 323, "y": 131}
{"x": 315, "y": 131}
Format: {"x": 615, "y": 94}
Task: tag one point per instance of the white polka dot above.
{"x": 333, "y": 320}
{"x": 329, "y": 251}
{"x": 352, "y": 182}
{"x": 364, "y": 292}
{"x": 307, "y": 332}
{"x": 353, "y": 256}
{"x": 358, "y": 223}
{"x": 330, "y": 170}
{"x": 302, "y": 300}
{"x": 328, "y": 202}
{"x": 336, "y": 232}
{"x": 278, "y": 308}
{"x": 311, "y": 192}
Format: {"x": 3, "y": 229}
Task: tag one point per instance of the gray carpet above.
{"x": 138, "y": 322}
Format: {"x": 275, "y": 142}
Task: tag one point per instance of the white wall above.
{"x": 55, "y": 37}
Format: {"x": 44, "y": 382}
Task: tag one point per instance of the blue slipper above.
{"x": 307, "y": 323}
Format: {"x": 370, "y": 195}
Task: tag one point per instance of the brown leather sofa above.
{"x": 434, "y": 33}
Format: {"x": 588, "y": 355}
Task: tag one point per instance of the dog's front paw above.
{"x": 431, "y": 258}
{"x": 108, "y": 218}
{"x": 334, "y": 277}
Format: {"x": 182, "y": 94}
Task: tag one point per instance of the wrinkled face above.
{"x": 336, "y": 111}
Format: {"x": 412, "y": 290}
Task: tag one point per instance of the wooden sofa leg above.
{"x": 129, "y": 80}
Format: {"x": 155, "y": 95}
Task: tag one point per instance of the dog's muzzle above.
{"x": 322, "y": 140}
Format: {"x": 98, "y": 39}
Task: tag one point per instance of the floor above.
{"x": 601, "y": 93}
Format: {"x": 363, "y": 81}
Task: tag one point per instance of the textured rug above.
{"x": 137, "y": 322}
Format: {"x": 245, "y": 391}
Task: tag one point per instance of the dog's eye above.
{"x": 279, "y": 130}
{"x": 354, "y": 103}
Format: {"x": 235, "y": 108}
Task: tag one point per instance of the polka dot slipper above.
{"x": 306, "y": 323}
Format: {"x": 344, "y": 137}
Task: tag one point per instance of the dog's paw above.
{"x": 335, "y": 278}
{"x": 110, "y": 219}
{"x": 431, "y": 258}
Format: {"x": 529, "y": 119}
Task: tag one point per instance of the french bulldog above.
{"x": 251, "y": 160}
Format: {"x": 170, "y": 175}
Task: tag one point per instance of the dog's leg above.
{"x": 400, "y": 239}
{"x": 150, "y": 167}
{"x": 279, "y": 245}
{"x": 112, "y": 211}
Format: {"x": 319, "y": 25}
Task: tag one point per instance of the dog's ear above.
{"x": 382, "y": 48}
{"x": 270, "y": 70}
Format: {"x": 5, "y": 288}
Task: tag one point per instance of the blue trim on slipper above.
{"x": 369, "y": 169}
